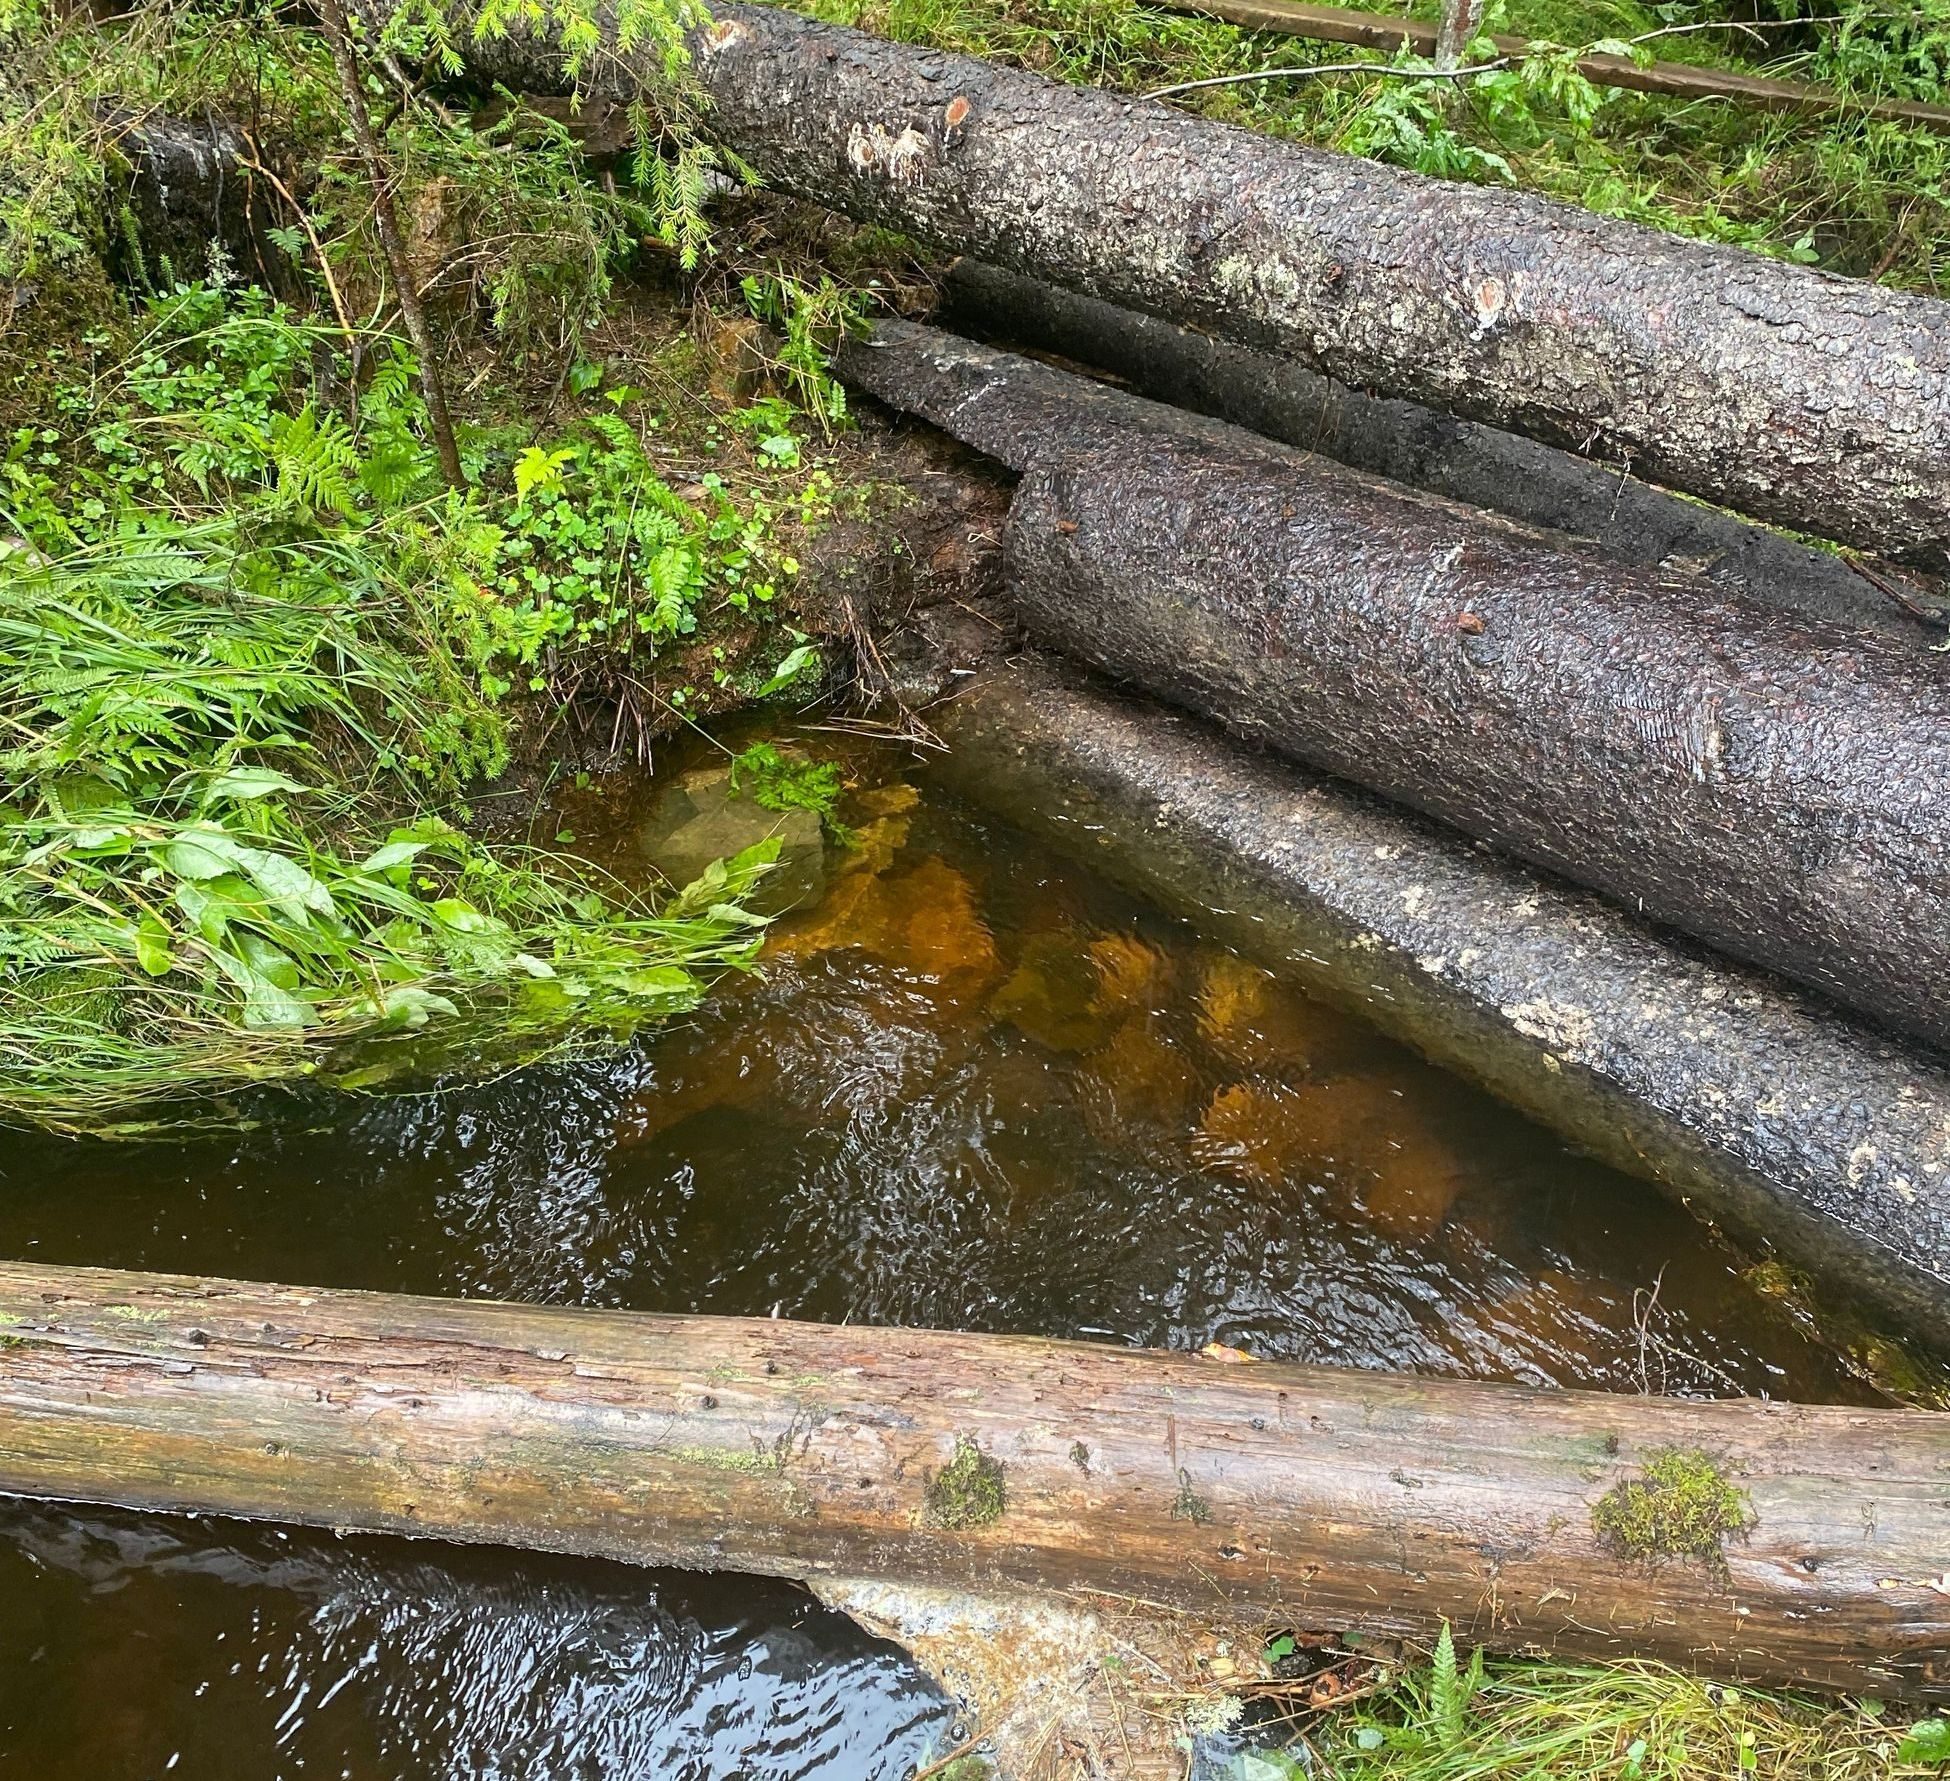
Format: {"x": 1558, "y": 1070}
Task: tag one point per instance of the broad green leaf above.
{"x": 152, "y": 948}
{"x": 201, "y": 857}
{"x": 392, "y": 856}
{"x": 409, "y": 1007}
{"x": 269, "y": 963}
{"x": 288, "y": 885}
{"x": 789, "y": 670}
{"x": 244, "y": 783}
{"x": 1928, "y": 1740}
{"x": 267, "y": 1005}
{"x": 659, "y": 983}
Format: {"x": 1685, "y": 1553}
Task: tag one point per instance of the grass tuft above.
{"x": 1515, "y": 1720}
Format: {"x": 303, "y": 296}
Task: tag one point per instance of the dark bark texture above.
{"x": 1778, "y": 789}
{"x": 1798, "y": 1130}
{"x": 989, "y": 1462}
{"x": 1601, "y": 504}
{"x": 179, "y": 195}
{"x": 1816, "y": 401}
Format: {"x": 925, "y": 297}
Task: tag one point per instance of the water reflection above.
{"x": 138, "y": 1646}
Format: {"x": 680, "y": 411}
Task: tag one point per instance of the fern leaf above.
{"x": 1445, "y": 1692}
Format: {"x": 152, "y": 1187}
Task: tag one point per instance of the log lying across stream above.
{"x": 1815, "y": 1536}
{"x": 1779, "y": 789}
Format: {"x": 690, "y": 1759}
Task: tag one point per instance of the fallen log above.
{"x": 1818, "y": 402}
{"x": 1778, "y": 789}
{"x": 1755, "y": 1539}
{"x": 1605, "y": 505}
{"x": 182, "y": 198}
{"x": 1387, "y": 32}
{"x": 1802, "y": 1133}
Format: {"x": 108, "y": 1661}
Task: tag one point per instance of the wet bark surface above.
{"x": 1797, "y": 1129}
{"x": 1605, "y": 505}
{"x": 1776, "y": 788}
{"x": 806, "y": 1451}
{"x": 182, "y": 190}
{"x": 1812, "y": 400}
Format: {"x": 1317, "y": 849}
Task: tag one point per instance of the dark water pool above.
{"x": 973, "y": 1088}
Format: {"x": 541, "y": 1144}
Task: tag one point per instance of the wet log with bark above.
{"x": 1753, "y": 1539}
{"x": 1806, "y": 1135}
{"x": 1778, "y": 789}
{"x": 1803, "y": 398}
{"x": 1602, "y": 504}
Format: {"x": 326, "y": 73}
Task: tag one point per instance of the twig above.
{"x": 1753, "y": 28}
{"x": 256, "y": 165}
{"x": 1381, "y": 68}
{"x": 1643, "y": 1305}
{"x": 1895, "y": 591}
{"x": 385, "y": 218}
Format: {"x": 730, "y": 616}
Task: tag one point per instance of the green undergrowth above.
{"x": 1516, "y": 1720}
{"x": 535, "y": 238}
{"x": 252, "y": 657}
{"x": 1862, "y": 197}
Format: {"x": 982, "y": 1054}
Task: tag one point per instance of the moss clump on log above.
{"x": 969, "y": 1492}
{"x": 1682, "y": 1506}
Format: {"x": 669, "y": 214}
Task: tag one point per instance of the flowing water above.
{"x": 973, "y": 1088}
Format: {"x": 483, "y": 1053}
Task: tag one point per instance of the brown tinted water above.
{"x": 972, "y": 1088}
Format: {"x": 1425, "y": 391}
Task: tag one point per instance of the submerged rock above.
{"x": 700, "y": 817}
{"x": 1357, "y": 1133}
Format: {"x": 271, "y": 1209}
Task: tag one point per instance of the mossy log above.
{"x": 1603, "y": 504}
{"x": 1798, "y": 1130}
{"x": 1753, "y": 1539}
{"x": 1803, "y": 398}
{"x": 1777, "y": 788}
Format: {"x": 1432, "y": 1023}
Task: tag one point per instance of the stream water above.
{"x": 972, "y": 1088}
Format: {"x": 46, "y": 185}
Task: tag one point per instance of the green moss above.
{"x": 969, "y": 1491}
{"x": 968, "y": 1768}
{"x": 716, "y": 1459}
{"x": 1189, "y": 1505}
{"x": 1681, "y": 1506}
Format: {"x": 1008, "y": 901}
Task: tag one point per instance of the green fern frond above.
{"x": 317, "y": 461}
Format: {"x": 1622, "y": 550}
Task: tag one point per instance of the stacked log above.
{"x": 1602, "y": 504}
{"x": 1779, "y": 789}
